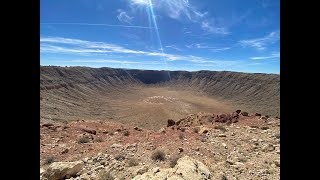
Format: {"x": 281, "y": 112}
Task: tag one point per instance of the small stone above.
{"x": 224, "y": 145}
{"x": 65, "y": 151}
{"x": 277, "y": 163}
{"x": 99, "y": 168}
{"x": 268, "y": 148}
{"x": 156, "y": 169}
{"x": 114, "y": 146}
{"x": 222, "y": 135}
{"x": 180, "y": 149}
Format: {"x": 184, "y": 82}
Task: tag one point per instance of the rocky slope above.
{"x": 236, "y": 145}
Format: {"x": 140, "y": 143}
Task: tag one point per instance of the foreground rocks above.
{"x": 185, "y": 169}
{"x": 197, "y": 147}
{"x": 62, "y": 170}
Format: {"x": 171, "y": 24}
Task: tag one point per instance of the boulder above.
{"x": 185, "y": 169}
{"x": 238, "y": 111}
{"x": 63, "y": 170}
{"x": 257, "y": 114}
{"x": 244, "y": 113}
{"x": 171, "y": 123}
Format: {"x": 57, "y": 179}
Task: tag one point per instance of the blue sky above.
{"x": 192, "y": 35}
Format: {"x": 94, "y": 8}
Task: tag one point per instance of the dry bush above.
{"x": 220, "y": 127}
{"x": 196, "y": 130}
{"x": 126, "y": 133}
{"x": 104, "y": 175}
{"x": 173, "y": 161}
{"x": 49, "y": 160}
{"x": 99, "y": 139}
{"x": 181, "y": 136}
{"x": 83, "y": 140}
{"x": 133, "y": 162}
{"x": 158, "y": 155}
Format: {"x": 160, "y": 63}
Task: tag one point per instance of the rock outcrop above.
{"x": 62, "y": 170}
{"x": 185, "y": 169}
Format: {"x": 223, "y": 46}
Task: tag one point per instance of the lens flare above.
{"x": 151, "y": 16}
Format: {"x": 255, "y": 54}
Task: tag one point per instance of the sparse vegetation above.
{"x": 99, "y": 139}
{"x": 83, "y": 140}
{"x": 133, "y": 162}
{"x": 49, "y": 160}
{"x": 158, "y": 155}
{"x": 173, "y": 160}
{"x": 126, "y": 133}
{"x": 181, "y": 136}
{"x": 196, "y": 130}
{"x": 104, "y": 175}
{"x": 220, "y": 127}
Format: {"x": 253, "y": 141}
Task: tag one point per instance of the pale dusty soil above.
{"x": 147, "y": 107}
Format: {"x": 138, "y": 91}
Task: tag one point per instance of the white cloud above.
{"x": 112, "y": 61}
{"x": 261, "y": 43}
{"x": 213, "y": 29}
{"x": 173, "y": 47}
{"x": 273, "y": 55}
{"x": 202, "y": 46}
{"x": 175, "y": 9}
{"x": 81, "y": 47}
{"x": 139, "y": 2}
{"x": 54, "y": 45}
{"x": 92, "y": 24}
{"x": 124, "y": 17}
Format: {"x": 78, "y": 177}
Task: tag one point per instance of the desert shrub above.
{"x": 158, "y": 155}
{"x": 49, "y": 160}
{"x": 173, "y": 161}
{"x": 126, "y": 133}
{"x": 83, "y": 140}
{"x": 196, "y": 130}
{"x": 99, "y": 139}
{"x": 120, "y": 157}
{"x": 104, "y": 175}
{"x": 221, "y": 128}
{"x": 133, "y": 162}
{"x": 181, "y": 136}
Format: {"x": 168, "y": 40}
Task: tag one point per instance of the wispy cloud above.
{"x": 273, "y": 55}
{"x": 124, "y": 17}
{"x": 173, "y": 47}
{"x": 112, "y": 61}
{"x": 213, "y": 29}
{"x": 94, "y": 24}
{"x": 203, "y": 46}
{"x": 261, "y": 43}
{"x": 175, "y": 9}
{"x": 54, "y": 45}
{"x": 82, "y": 47}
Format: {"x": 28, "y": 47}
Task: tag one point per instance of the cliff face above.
{"x": 253, "y": 92}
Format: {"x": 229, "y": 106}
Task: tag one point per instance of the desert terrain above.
{"x": 105, "y": 123}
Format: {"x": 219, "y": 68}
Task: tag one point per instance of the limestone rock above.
{"x": 185, "y": 169}
{"x": 62, "y": 170}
